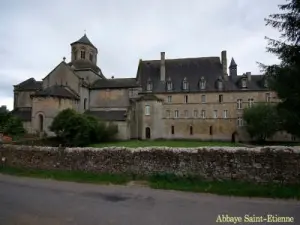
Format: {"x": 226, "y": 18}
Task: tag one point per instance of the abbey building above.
{"x": 193, "y": 98}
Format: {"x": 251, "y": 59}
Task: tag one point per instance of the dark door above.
{"x": 148, "y": 133}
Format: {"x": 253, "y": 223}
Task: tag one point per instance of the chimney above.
{"x": 162, "y": 66}
{"x": 248, "y": 76}
{"x": 224, "y": 64}
{"x": 112, "y": 77}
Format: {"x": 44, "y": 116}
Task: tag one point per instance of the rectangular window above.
{"x": 240, "y": 122}
{"x": 172, "y": 130}
{"x": 195, "y": 113}
{"x": 203, "y": 98}
{"x": 250, "y": 102}
{"x": 82, "y": 54}
{"x": 225, "y": 114}
{"x": 268, "y": 97}
{"x": 169, "y": 99}
{"x": 168, "y": 113}
{"x": 147, "y": 110}
{"x": 191, "y": 130}
{"x": 186, "y": 113}
{"x": 220, "y": 98}
{"x": 186, "y": 99}
{"x": 239, "y": 103}
{"x": 215, "y": 114}
{"x": 176, "y": 114}
{"x": 203, "y": 114}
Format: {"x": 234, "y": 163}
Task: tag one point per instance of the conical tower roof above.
{"x": 232, "y": 63}
{"x": 84, "y": 40}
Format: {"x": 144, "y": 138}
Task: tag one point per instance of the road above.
{"x": 27, "y": 201}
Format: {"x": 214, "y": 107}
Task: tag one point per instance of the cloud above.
{"x": 36, "y": 35}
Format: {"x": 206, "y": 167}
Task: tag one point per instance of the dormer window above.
{"x": 169, "y": 85}
{"x": 149, "y": 85}
{"x": 266, "y": 84}
{"x": 202, "y": 83}
{"x": 185, "y": 84}
{"x": 220, "y": 83}
{"x": 244, "y": 83}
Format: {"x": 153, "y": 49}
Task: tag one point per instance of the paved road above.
{"x": 25, "y": 201}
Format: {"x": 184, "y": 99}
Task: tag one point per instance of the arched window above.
{"x": 85, "y": 104}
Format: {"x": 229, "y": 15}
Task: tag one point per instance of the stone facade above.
{"x": 260, "y": 165}
{"x": 190, "y": 98}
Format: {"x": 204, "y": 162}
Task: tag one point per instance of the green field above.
{"x": 181, "y": 144}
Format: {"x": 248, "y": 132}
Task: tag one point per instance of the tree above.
{"x": 75, "y": 129}
{"x": 284, "y": 78}
{"x": 262, "y": 121}
{"x": 10, "y": 125}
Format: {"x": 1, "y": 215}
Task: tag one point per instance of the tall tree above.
{"x": 284, "y": 78}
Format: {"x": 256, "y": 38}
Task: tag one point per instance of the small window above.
{"x": 225, "y": 114}
{"x": 250, "y": 102}
{"x": 168, "y": 113}
{"x": 240, "y": 122}
{"x": 215, "y": 114}
{"x": 244, "y": 83}
{"x": 186, "y": 113}
{"x": 172, "y": 130}
{"x": 176, "y": 114}
{"x": 147, "y": 110}
{"x": 82, "y": 54}
{"x": 210, "y": 130}
{"x": 268, "y": 97}
{"x": 149, "y": 86}
{"x": 91, "y": 57}
{"x": 169, "y": 86}
{"x": 220, "y": 98}
{"x": 220, "y": 84}
{"x": 169, "y": 99}
{"x": 186, "y": 99}
{"x": 85, "y": 104}
{"x": 202, "y": 83}
{"x": 203, "y": 98}
{"x": 185, "y": 84}
{"x": 191, "y": 130}
{"x": 203, "y": 114}
{"x": 239, "y": 103}
{"x": 195, "y": 113}
{"x": 266, "y": 84}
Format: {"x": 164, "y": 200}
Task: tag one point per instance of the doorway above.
{"x": 41, "y": 123}
{"x": 148, "y": 133}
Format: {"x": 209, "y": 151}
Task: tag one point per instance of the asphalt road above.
{"x": 26, "y": 201}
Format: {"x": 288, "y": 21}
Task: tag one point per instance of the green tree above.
{"x": 262, "y": 121}
{"x": 284, "y": 78}
{"x": 10, "y": 125}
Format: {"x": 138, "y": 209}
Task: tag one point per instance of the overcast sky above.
{"x": 35, "y": 35}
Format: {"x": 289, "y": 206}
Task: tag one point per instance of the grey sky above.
{"x": 36, "y": 35}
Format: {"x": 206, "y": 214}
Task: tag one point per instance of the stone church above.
{"x": 186, "y": 98}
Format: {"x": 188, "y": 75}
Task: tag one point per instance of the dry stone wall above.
{"x": 264, "y": 164}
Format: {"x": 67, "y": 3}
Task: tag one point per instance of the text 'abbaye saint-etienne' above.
{"x": 269, "y": 218}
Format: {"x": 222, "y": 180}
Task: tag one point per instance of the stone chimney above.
{"x": 224, "y": 64}
{"x": 112, "y": 77}
{"x": 248, "y": 76}
{"x": 162, "y": 66}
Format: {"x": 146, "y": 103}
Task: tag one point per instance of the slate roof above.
{"x": 84, "y": 64}
{"x": 56, "y": 91}
{"x": 29, "y": 85}
{"x": 110, "y": 115}
{"x": 84, "y": 40}
{"x": 23, "y": 114}
{"x": 115, "y": 83}
{"x": 191, "y": 69}
{"x": 149, "y": 97}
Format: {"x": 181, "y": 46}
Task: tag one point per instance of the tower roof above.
{"x": 84, "y": 40}
{"x": 232, "y": 63}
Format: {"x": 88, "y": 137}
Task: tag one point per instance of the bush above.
{"x": 10, "y": 125}
{"x": 76, "y": 129}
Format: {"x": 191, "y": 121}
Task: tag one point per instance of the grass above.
{"x": 167, "y": 143}
{"x": 166, "y": 181}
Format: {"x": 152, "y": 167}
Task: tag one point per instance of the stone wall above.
{"x": 266, "y": 164}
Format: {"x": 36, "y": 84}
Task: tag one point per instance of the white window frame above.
{"x": 240, "y": 122}
{"x": 196, "y": 113}
{"x": 215, "y": 114}
{"x": 202, "y": 84}
{"x": 225, "y": 114}
{"x": 203, "y": 114}
{"x": 169, "y": 99}
{"x": 203, "y": 98}
{"x": 244, "y": 83}
{"x": 239, "y": 104}
{"x": 169, "y": 86}
{"x": 176, "y": 114}
{"x": 250, "y": 102}
{"x": 185, "y": 85}
{"x": 147, "y": 110}
{"x": 149, "y": 86}
{"x": 168, "y": 113}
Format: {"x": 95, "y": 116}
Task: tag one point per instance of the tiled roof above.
{"x": 115, "y": 83}
{"x": 23, "y": 114}
{"x": 56, "y": 91}
{"x": 29, "y": 85}
{"x": 193, "y": 70}
{"x": 110, "y": 115}
{"x": 84, "y": 40}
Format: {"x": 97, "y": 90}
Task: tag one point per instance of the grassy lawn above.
{"x": 167, "y": 143}
{"x": 170, "y": 182}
